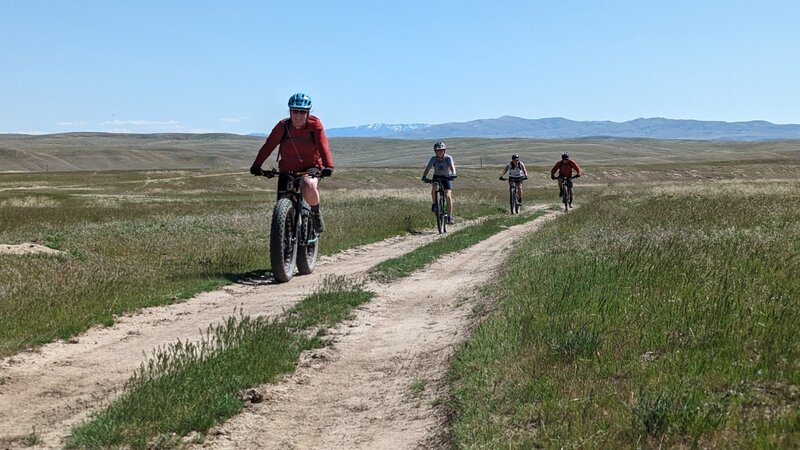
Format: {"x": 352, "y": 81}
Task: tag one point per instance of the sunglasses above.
{"x": 299, "y": 111}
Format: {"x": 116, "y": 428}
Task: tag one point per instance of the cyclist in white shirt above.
{"x": 516, "y": 173}
{"x": 443, "y": 169}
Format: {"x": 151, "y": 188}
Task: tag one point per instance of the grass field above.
{"x": 136, "y": 239}
{"x": 657, "y": 316}
{"x": 661, "y": 313}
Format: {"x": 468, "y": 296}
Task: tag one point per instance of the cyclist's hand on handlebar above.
{"x": 576, "y": 176}
{"x": 552, "y": 177}
{"x": 424, "y": 179}
{"x": 327, "y": 171}
{"x": 525, "y": 177}
{"x": 255, "y": 170}
{"x": 502, "y": 179}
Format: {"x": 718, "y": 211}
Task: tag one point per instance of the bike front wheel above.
{"x": 283, "y": 241}
{"x": 441, "y": 213}
{"x": 308, "y": 247}
{"x": 513, "y": 198}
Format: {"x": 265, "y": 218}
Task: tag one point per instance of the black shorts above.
{"x": 444, "y": 181}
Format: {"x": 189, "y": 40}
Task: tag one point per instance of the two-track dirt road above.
{"x": 375, "y": 387}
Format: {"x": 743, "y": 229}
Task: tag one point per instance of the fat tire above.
{"x": 309, "y": 248}
{"x": 282, "y": 241}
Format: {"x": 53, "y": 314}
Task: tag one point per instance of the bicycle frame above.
{"x": 513, "y": 193}
{"x": 293, "y": 241}
{"x": 440, "y": 201}
{"x": 566, "y": 194}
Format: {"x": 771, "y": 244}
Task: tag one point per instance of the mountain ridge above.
{"x": 561, "y": 128}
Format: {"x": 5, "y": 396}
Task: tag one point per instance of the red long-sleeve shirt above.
{"x": 564, "y": 168}
{"x": 302, "y": 149}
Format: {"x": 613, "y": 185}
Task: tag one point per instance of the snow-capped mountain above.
{"x": 560, "y": 128}
{"x": 376, "y": 130}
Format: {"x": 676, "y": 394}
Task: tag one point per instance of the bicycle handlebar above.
{"x": 448, "y": 178}
{"x": 312, "y": 172}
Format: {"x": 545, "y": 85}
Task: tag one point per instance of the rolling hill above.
{"x": 104, "y": 151}
{"x": 559, "y": 128}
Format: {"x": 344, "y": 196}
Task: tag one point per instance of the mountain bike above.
{"x": 440, "y": 201}
{"x": 566, "y": 196}
{"x": 293, "y": 242}
{"x": 514, "y": 200}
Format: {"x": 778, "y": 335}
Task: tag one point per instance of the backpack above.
{"x": 286, "y": 132}
{"x": 285, "y": 136}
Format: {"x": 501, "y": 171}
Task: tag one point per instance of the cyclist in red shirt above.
{"x": 564, "y": 169}
{"x": 303, "y": 147}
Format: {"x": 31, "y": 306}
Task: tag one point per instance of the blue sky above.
{"x": 230, "y": 66}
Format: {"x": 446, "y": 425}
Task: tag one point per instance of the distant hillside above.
{"x": 113, "y": 151}
{"x": 559, "y": 128}
{"x": 106, "y": 151}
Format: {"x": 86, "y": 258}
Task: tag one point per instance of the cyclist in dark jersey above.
{"x": 564, "y": 169}
{"x": 303, "y": 146}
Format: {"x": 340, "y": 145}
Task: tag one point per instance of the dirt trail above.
{"x": 357, "y": 393}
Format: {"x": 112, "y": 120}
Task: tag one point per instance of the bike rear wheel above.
{"x": 283, "y": 241}
{"x": 308, "y": 248}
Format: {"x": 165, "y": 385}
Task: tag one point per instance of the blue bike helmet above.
{"x": 300, "y": 101}
{"x": 565, "y": 155}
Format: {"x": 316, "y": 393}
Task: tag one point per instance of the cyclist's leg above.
{"x": 449, "y": 195}
{"x": 308, "y": 187}
{"x": 519, "y": 191}
{"x": 560, "y": 186}
{"x": 433, "y": 198}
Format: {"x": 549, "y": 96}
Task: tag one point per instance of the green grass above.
{"x": 137, "y": 239}
{"x": 663, "y": 316}
{"x": 402, "y": 266}
{"x": 660, "y": 317}
{"x": 189, "y": 387}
